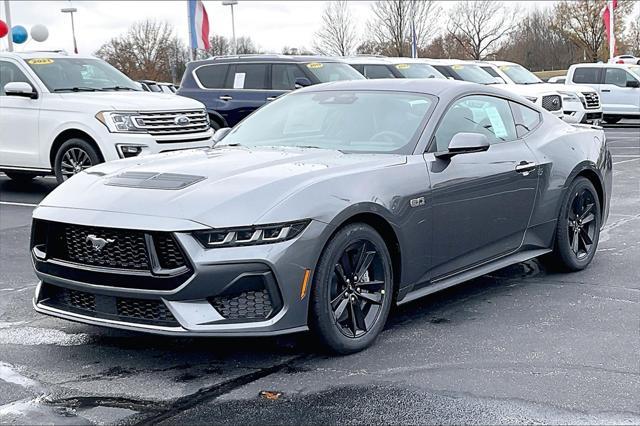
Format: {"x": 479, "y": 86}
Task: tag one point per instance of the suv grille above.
{"x": 552, "y": 102}
{"x": 169, "y": 123}
{"x": 591, "y": 100}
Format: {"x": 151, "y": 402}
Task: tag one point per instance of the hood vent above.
{"x": 151, "y": 180}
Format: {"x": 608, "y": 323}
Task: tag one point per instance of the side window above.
{"x": 10, "y": 73}
{"x": 377, "y": 71}
{"x": 212, "y": 76}
{"x": 616, "y": 76}
{"x": 586, "y": 75}
{"x": 486, "y": 115}
{"x": 283, "y": 76}
{"x": 247, "y": 76}
{"x": 359, "y": 68}
{"x": 526, "y": 119}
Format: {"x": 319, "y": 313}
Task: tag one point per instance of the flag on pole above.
{"x": 607, "y": 17}
{"x": 198, "y": 25}
{"x": 414, "y": 41}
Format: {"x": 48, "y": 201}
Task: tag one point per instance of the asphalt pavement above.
{"x": 520, "y": 345}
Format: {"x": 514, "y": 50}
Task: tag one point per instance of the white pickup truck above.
{"x": 60, "y": 114}
{"x": 617, "y": 84}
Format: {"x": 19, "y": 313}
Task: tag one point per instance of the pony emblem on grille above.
{"x": 97, "y": 244}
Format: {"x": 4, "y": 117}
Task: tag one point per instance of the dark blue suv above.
{"x": 232, "y": 87}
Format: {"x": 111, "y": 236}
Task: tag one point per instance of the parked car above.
{"x": 168, "y": 87}
{"x": 320, "y": 211}
{"x": 383, "y": 67}
{"x": 560, "y": 79}
{"x": 470, "y": 71}
{"x": 232, "y": 87}
{"x": 580, "y": 104}
{"x": 625, "y": 59}
{"x": 60, "y": 114}
{"x": 150, "y": 86}
{"x": 618, "y": 86}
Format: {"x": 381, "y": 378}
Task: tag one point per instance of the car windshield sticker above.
{"x": 238, "y": 80}
{"x": 457, "y": 67}
{"x": 403, "y": 66}
{"x": 505, "y": 67}
{"x": 40, "y": 61}
{"x": 314, "y": 65}
{"x": 496, "y": 122}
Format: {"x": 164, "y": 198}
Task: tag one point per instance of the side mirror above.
{"x": 220, "y": 134}
{"x": 302, "y": 82}
{"x": 20, "y": 88}
{"x": 464, "y": 143}
{"x": 633, "y": 83}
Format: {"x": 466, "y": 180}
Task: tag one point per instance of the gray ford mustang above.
{"x": 320, "y": 211}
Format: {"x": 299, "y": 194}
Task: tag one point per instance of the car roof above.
{"x": 44, "y": 54}
{"x": 366, "y": 60}
{"x": 600, "y": 65}
{"x": 502, "y": 63}
{"x": 267, "y": 58}
{"x": 448, "y": 62}
{"x": 426, "y": 86}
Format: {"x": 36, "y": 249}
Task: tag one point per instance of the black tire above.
{"x": 213, "y": 122}
{"x": 20, "y": 177}
{"x": 609, "y": 119}
{"x": 81, "y": 154}
{"x": 578, "y": 223}
{"x": 361, "y": 305}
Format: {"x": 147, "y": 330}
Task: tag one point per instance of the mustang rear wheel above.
{"x": 352, "y": 290}
{"x": 578, "y": 229}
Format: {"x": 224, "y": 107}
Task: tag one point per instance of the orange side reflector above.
{"x": 305, "y": 282}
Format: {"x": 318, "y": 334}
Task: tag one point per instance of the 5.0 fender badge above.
{"x": 417, "y": 202}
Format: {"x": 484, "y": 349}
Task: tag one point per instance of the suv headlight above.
{"x": 569, "y": 96}
{"x": 251, "y": 235}
{"x": 119, "y": 122}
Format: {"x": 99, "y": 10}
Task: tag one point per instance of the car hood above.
{"x": 132, "y": 101}
{"x": 529, "y": 89}
{"x": 222, "y": 187}
{"x": 573, "y": 88}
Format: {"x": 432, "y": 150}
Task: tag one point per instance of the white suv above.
{"x": 618, "y": 85}
{"x": 580, "y": 104}
{"x": 60, "y": 114}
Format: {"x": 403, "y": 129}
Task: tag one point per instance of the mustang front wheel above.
{"x": 352, "y": 289}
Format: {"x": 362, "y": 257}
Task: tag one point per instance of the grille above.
{"x": 79, "y": 300}
{"x": 123, "y": 249}
{"x": 151, "y": 310}
{"x": 245, "y": 305}
{"x": 169, "y": 254}
{"x": 165, "y": 123}
{"x": 552, "y": 102}
{"x": 591, "y": 100}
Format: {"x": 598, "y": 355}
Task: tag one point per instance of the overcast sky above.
{"x": 271, "y": 24}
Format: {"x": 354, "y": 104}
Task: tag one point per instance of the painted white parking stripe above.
{"x": 12, "y": 203}
{"x": 626, "y": 161}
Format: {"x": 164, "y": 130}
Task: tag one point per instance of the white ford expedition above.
{"x": 60, "y": 114}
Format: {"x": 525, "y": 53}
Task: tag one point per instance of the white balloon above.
{"x": 39, "y": 33}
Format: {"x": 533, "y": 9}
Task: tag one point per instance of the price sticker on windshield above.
{"x": 403, "y": 66}
{"x": 40, "y": 61}
{"x": 457, "y": 67}
{"x": 314, "y": 65}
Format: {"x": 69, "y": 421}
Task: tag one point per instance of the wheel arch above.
{"x": 214, "y": 116}
{"x": 70, "y": 134}
{"x": 593, "y": 177}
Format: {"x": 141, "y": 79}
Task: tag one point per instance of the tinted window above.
{"x": 377, "y": 71}
{"x": 586, "y": 75}
{"x": 247, "y": 76}
{"x": 332, "y": 71}
{"x": 212, "y": 76}
{"x": 493, "y": 73}
{"x": 10, "y": 73}
{"x": 486, "y": 115}
{"x": 617, "y": 76}
{"x": 444, "y": 71}
{"x": 283, "y": 76}
{"x": 526, "y": 119}
{"x": 418, "y": 71}
{"x": 472, "y": 73}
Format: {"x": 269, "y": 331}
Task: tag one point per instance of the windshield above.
{"x": 349, "y": 121}
{"x": 635, "y": 69}
{"x": 472, "y": 73}
{"x": 76, "y": 74}
{"x": 333, "y": 71}
{"x": 418, "y": 71}
{"x": 520, "y": 75}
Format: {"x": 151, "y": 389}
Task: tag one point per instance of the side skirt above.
{"x": 469, "y": 274}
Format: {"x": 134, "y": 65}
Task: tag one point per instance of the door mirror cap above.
{"x": 20, "y": 88}
{"x": 302, "y": 82}
{"x": 633, "y": 83}
{"x": 464, "y": 143}
{"x": 220, "y": 134}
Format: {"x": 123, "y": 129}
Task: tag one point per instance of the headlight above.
{"x": 119, "y": 122}
{"x": 531, "y": 98}
{"x": 251, "y": 235}
{"x": 569, "y": 96}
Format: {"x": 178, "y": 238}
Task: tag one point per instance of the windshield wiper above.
{"x": 119, "y": 88}
{"x": 77, "y": 89}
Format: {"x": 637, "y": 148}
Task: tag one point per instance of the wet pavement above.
{"x": 520, "y": 345}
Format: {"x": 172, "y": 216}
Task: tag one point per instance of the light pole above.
{"x": 71, "y": 10}
{"x": 233, "y": 23}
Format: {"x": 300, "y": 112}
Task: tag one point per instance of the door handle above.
{"x": 606, "y": 90}
{"x": 272, "y": 98}
{"x": 525, "y": 167}
{"x": 225, "y": 98}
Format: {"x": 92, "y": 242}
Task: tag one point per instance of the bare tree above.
{"x": 633, "y": 36}
{"x": 245, "y": 46}
{"x": 444, "y": 46}
{"x": 148, "y": 50}
{"x": 219, "y": 46}
{"x": 479, "y": 26}
{"x": 390, "y": 27}
{"x": 337, "y": 36}
{"x": 286, "y": 50}
{"x": 581, "y": 22}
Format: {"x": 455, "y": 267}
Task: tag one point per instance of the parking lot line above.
{"x": 12, "y": 203}
{"x": 626, "y": 161}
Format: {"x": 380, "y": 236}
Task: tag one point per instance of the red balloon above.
{"x": 4, "y": 29}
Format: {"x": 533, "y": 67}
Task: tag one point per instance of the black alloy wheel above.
{"x": 74, "y": 156}
{"x": 352, "y": 290}
{"x": 581, "y": 223}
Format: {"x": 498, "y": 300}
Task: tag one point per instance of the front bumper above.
{"x": 575, "y": 112}
{"x": 239, "y": 291}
